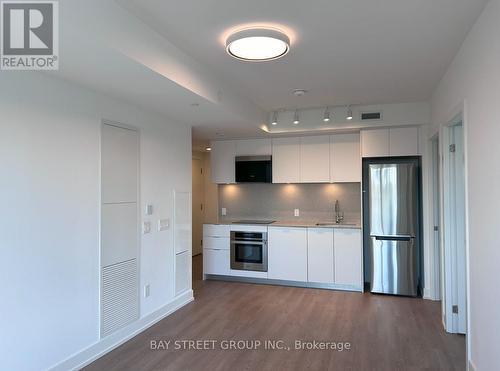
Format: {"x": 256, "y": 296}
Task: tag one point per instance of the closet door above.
{"x": 119, "y": 228}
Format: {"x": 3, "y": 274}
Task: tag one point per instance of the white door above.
{"x": 315, "y": 159}
{"x": 216, "y": 261}
{"x": 455, "y": 300}
{"x": 253, "y": 147}
{"x": 347, "y": 250}
{"x": 198, "y": 209}
{"x": 375, "y": 142}
{"x": 119, "y": 228}
{"x": 287, "y": 254}
{"x": 222, "y": 161}
{"x": 286, "y": 160}
{"x": 345, "y": 158}
{"x": 320, "y": 255}
{"x": 403, "y": 141}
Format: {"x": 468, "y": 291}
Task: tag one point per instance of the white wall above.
{"x": 49, "y": 219}
{"x": 474, "y": 77}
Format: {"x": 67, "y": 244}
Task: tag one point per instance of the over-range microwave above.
{"x": 253, "y": 169}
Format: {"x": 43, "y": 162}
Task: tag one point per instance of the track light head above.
{"x": 326, "y": 115}
{"x": 349, "y": 113}
{"x": 275, "y": 119}
{"x": 296, "y": 118}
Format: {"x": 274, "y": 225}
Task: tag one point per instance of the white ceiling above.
{"x": 165, "y": 55}
{"x": 343, "y": 51}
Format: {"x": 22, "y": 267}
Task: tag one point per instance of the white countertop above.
{"x": 302, "y": 224}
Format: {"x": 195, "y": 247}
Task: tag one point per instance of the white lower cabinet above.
{"x": 320, "y": 255}
{"x": 348, "y": 257}
{"x": 287, "y": 253}
{"x": 216, "y": 253}
{"x": 216, "y": 261}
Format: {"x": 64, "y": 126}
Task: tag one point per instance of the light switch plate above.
{"x": 224, "y": 211}
{"x": 146, "y": 227}
{"x": 163, "y": 224}
{"x": 296, "y": 212}
{"x": 149, "y": 209}
{"x": 147, "y": 290}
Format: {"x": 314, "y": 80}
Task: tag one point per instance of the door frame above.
{"x": 448, "y": 254}
{"x": 435, "y": 258}
{"x": 199, "y": 157}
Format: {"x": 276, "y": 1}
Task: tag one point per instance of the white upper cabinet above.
{"x": 286, "y": 160}
{"x": 345, "y": 158}
{"x": 314, "y": 159}
{"x": 403, "y": 141}
{"x": 320, "y": 255}
{"x": 390, "y": 142}
{"x": 287, "y": 254}
{"x": 375, "y": 142}
{"x": 222, "y": 161}
{"x": 253, "y": 147}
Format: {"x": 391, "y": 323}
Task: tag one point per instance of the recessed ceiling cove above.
{"x": 342, "y": 51}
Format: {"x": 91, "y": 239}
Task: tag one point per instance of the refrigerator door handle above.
{"x": 393, "y": 238}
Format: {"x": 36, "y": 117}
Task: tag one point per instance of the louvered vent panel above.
{"x": 365, "y": 116}
{"x": 119, "y": 296}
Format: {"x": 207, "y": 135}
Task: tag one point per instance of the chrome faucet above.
{"x": 339, "y": 215}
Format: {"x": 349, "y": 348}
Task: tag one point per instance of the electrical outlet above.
{"x": 146, "y": 290}
{"x": 224, "y": 211}
{"x": 146, "y": 227}
{"x": 296, "y": 212}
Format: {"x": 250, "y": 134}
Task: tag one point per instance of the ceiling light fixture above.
{"x": 258, "y": 44}
{"x": 208, "y": 149}
{"x": 299, "y": 92}
{"x": 296, "y": 118}
{"x": 326, "y": 115}
{"x": 275, "y": 119}
{"x": 349, "y": 113}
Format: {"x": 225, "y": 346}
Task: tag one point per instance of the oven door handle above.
{"x": 248, "y": 242}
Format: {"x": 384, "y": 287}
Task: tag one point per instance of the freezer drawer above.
{"x": 394, "y": 265}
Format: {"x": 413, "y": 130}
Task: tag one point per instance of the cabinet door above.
{"x": 375, "y": 142}
{"x": 320, "y": 255}
{"x": 347, "y": 251}
{"x": 403, "y": 141}
{"x": 287, "y": 254}
{"x": 216, "y": 261}
{"x": 253, "y": 147}
{"x": 345, "y": 158}
{"x": 286, "y": 160}
{"x": 315, "y": 159}
{"x": 222, "y": 161}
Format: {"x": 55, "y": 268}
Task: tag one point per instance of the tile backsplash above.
{"x": 278, "y": 201}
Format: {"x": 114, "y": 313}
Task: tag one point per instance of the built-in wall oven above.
{"x": 249, "y": 250}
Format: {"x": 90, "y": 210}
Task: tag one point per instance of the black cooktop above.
{"x": 254, "y": 222}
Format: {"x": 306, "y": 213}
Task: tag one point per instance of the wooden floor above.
{"x": 385, "y": 332}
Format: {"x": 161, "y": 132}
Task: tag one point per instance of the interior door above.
{"x": 453, "y": 237}
{"x": 197, "y": 212}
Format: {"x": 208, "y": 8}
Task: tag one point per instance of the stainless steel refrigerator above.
{"x": 392, "y": 213}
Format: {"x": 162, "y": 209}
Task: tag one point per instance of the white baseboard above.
{"x": 103, "y": 346}
{"x": 472, "y": 366}
{"x": 427, "y": 294}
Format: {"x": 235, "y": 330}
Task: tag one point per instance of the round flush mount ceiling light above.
{"x": 257, "y": 44}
